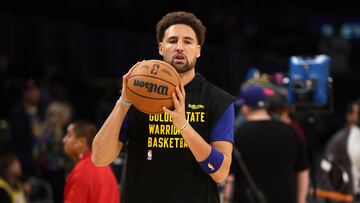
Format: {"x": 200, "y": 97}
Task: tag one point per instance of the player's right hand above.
{"x": 124, "y": 83}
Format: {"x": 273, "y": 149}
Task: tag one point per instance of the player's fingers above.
{"x": 183, "y": 94}
{"x": 124, "y": 79}
{"x": 166, "y": 110}
{"x": 179, "y": 94}
{"x": 128, "y": 73}
{"x": 126, "y": 76}
{"x": 136, "y": 64}
{"x": 176, "y": 101}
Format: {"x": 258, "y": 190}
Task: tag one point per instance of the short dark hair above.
{"x": 85, "y": 129}
{"x": 181, "y": 17}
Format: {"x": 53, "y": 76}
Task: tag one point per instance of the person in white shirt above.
{"x": 344, "y": 148}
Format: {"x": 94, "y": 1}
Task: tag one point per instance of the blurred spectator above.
{"x": 279, "y": 108}
{"x": 87, "y": 183}
{"x": 340, "y": 167}
{"x": 26, "y": 125}
{"x": 271, "y": 151}
{"x": 11, "y": 187}
{"x": 276, "y": 94}
{"x": 57, "y": 117}
{"x": 49, "y": 153}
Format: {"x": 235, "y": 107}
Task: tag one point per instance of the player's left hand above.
{"x": 178, "y": 114}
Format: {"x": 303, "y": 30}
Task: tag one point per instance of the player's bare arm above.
{"x": 106, "y": 145}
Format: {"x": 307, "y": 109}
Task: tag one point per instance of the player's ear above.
{"x": 83, "y": 141}
{"x": 198, "y": 54}
{"x": 160, "y": 49}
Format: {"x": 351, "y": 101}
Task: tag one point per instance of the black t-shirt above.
{"x": 161, "y": 167}
{"x": 273, "y": 154}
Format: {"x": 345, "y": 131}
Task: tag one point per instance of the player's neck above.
{"x": 81, "y": 154}
{"x": 187, "y": 77}
{"x": 258, "y": 115}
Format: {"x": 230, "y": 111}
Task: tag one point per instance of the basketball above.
{"x": 150, "y": 85}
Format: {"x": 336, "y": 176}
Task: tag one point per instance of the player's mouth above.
{"x": 179, "y": 58}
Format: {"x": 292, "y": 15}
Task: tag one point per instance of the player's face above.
{"x": 180, "y": 47}
{"x": 71, "y": 142}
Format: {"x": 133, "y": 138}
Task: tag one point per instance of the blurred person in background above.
{"x": 49, "y": 151}
{"x": 279, "y": 108}
{"x": 272, "y": 152}
{"x": 27, "y": 125}
{"x": 87, "y": 183}
{"x": 11, "y": 187}
{"x": 342, "y": 154}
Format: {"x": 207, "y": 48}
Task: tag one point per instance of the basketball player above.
{"x": 180, "y": 155}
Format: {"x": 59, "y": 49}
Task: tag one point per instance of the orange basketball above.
{"x": 150, "y": 85}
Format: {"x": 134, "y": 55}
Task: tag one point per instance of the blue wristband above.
{"x": 213, "y": 162}
{"x": 121, "y": 100}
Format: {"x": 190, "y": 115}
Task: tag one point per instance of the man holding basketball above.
{"x": 165, "y": 165}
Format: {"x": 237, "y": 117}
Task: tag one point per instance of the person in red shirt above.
{"x": 87, "y": 183}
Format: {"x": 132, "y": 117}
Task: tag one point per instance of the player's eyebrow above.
{"x": 189, "y": 38}
{"x": 172, "y": 38}
{"x": 176, "y": 37}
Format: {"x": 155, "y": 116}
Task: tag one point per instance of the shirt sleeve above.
{"x": 224, "y": 127}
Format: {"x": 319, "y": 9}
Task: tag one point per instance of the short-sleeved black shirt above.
{"x": 161, "y": 167}
{"x": 273, "y": 154}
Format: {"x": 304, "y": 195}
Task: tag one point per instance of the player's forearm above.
{"x": 198, "y": 146}
{"x": 201, "y": 150}
{"x": 226, "y": 149}
{"x": 106, "y": 145}
{"x": 303, "y": 185}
